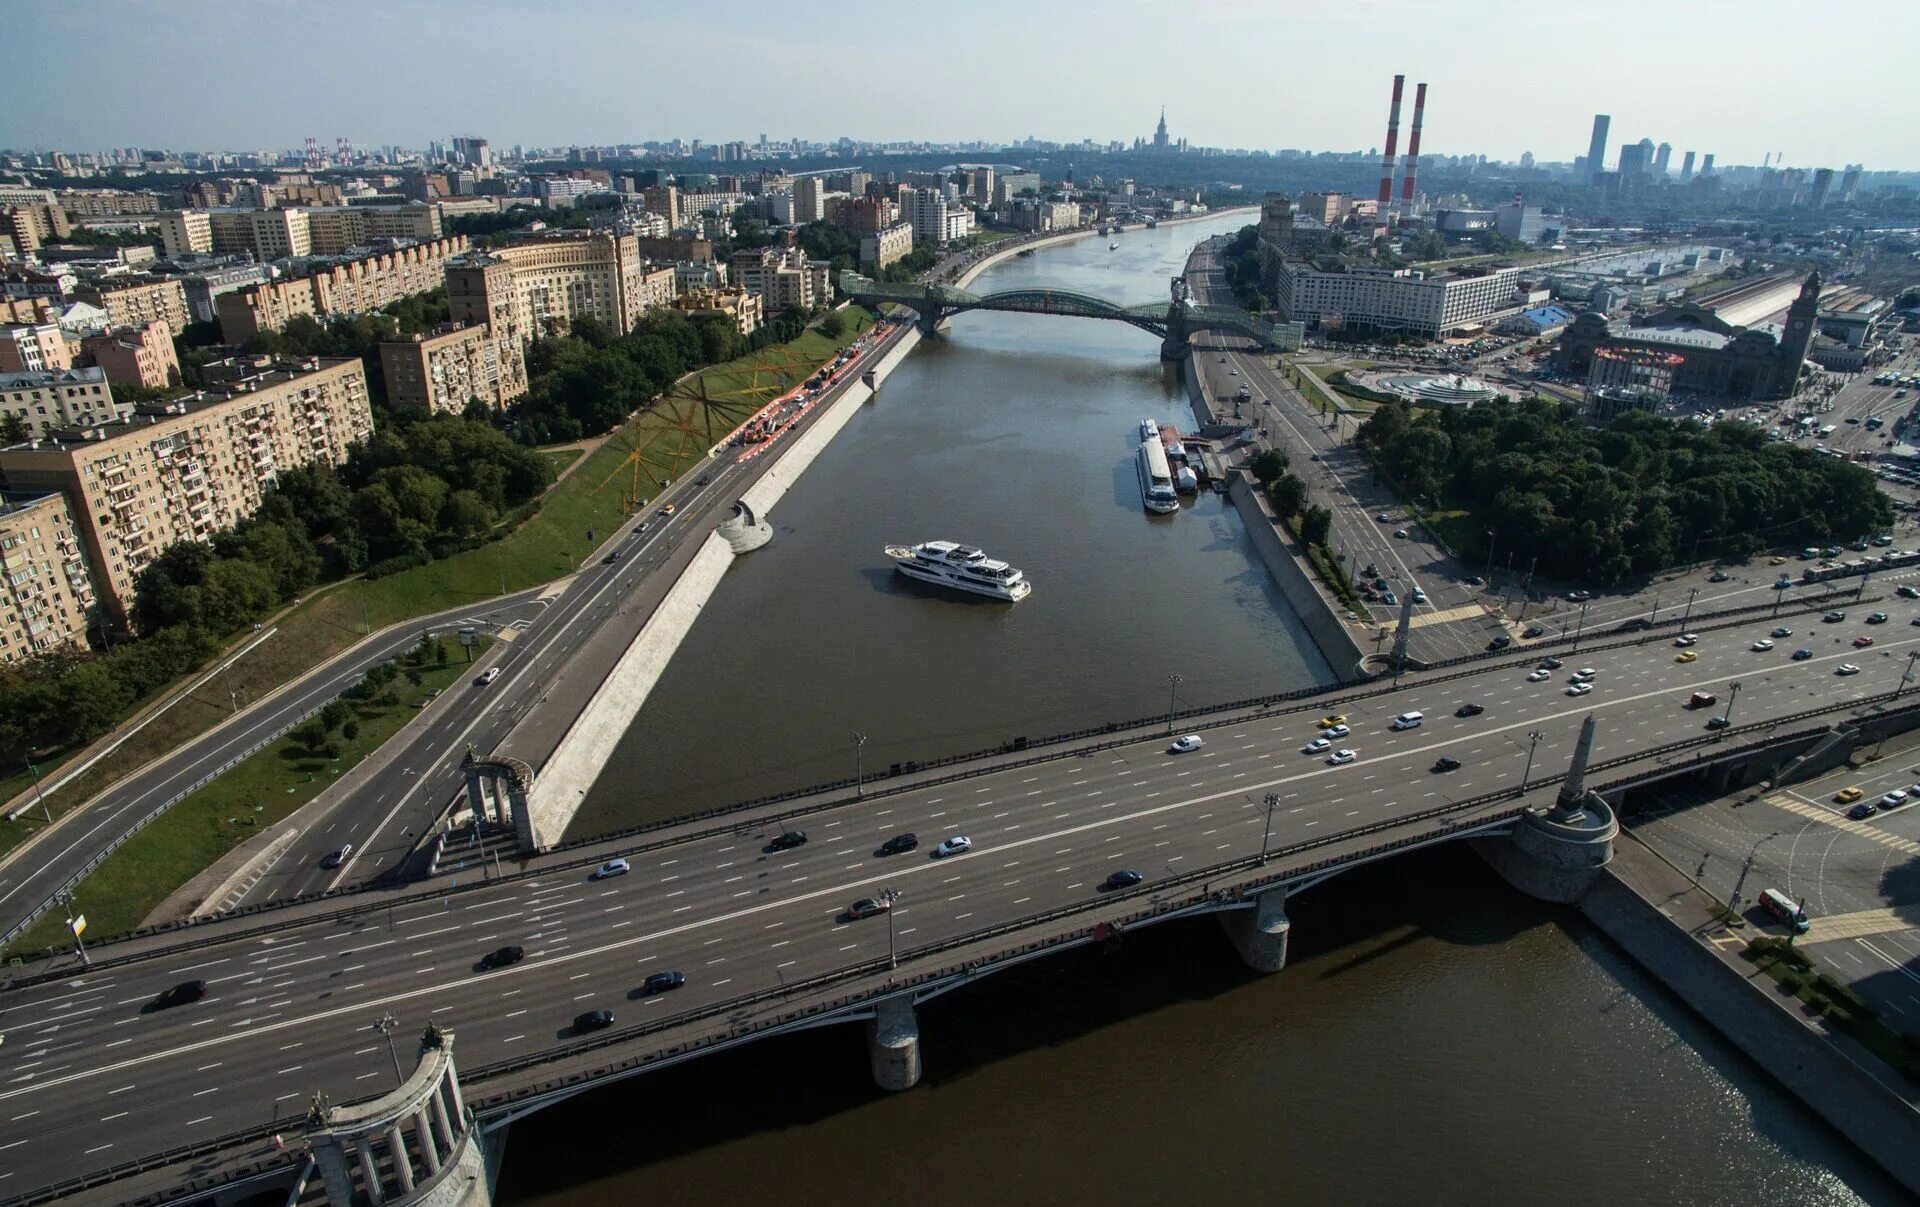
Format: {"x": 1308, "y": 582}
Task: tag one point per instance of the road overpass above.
{"x": 95, "y": 1085}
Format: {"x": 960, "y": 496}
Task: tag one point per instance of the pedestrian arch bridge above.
{"x": 1174, "y": 320}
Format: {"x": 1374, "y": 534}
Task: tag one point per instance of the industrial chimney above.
{"x": 1393, "y": 141}
{"x": 1413, "y": 152}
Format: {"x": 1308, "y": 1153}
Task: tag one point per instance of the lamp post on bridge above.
{"x": 1733, "y": 693}
{"x": 859, "y": 764}
{"x": 1688, "y": 614}
{"x": 1906, "y": 676}
{"x": 1273, "y": 799}
{"x": 1534, "y": 738}
{"x": 385, "y": 1025}
{"x": 889, "y": 896}
{"x": 1582, "y": 626}
{"x": 1173, "y": 685}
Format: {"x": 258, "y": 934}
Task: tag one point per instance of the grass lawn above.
{"x": 558, "y": 459}
{"x": 268, "y": 786}
{"x": 669, "y": 437}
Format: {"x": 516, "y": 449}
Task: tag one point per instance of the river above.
{"x": 1436, "y": 1035}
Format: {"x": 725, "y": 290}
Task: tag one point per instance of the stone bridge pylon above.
{"x": 500, "y": 792}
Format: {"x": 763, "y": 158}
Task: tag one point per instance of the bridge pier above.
{"x": 1260, "y": 934}
{"x": 893, "y": 1044}
{"x": 1557, "y": 855}
{"x": 743, "y": 531}
{"x": 500, "y": 790}
{"x": 1175, "y": 347}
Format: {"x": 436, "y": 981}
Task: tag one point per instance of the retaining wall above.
{"x": 1849, "y": 1098}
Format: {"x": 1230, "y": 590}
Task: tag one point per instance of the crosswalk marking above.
{"x": 1791, "y": 804}
{"x": 1858, "y": 925}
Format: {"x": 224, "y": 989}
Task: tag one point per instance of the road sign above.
{"x": 79, "y": 925}
{"x": 468, "y": 637}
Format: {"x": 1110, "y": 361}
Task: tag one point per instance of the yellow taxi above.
{"x": 1686, "y": 656}
{"x": 1332, "y": 719}
{"x": 1847, "y": 796}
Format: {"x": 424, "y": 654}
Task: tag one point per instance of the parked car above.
{"x": 1847, "y": 796}
{"x": 1500, "y": 642}
{"x": 1859, "y": 811}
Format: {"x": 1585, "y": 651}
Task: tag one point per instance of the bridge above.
{"x": 113, "y": 1099}
{"x": 1174, "y": 321}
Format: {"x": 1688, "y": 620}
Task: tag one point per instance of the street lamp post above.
{"x": 1733, "y": 903}
{"x": 1534, "y": 739}
{"x": 1273, "y": 798}
{"x": 385, "y": 1025}
{"x": 1733, "y": 693}
{"x": 79, "y": 946}
{"x": 1906, "y": 676}
{"x": 1779, "y": 594}
{"x": 1173, "y": 685}
{"x": 859, "y": 764}
{"x": 37, "y": 794}
{"x": 1688, "y": 614}
{"x": 1492, "y": 540}
{"x": 890, "y": 896}
{"x": 1582, "y": 626}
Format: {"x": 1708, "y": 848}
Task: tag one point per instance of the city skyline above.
{"x": 386, "y": 68}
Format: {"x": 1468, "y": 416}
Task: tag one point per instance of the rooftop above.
{"x": 1677, "y": 335}
{"x": 248, "y": 375}
{"x": 31, "y": 379}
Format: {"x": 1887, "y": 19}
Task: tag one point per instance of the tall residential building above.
{"x": 883, "y": 247}
{"x": 783, "y": 276}
{"x": 934, "y": 219}
{"x": 136, "y": 356}
{"x": 1706, "y": 165}
{"x": 1822, "y": 187}
{"x": 744, "y": 310}
{"x": 355, "y": 287}
{"x": 529, "y": 289}
{"x": 453, "y": 366}
{"x": 1325, "y": 208}
{"x": 1597, "y": 145}
{"x": 1686, "y": 168}
{"x": 49, "y": 401}
{"x": 1662, "y": 155}
{"x": 186, "y": 233}
{"x": 45, "y": 591}
{"x": 136, "y": 302}
{"x": 1850, "y": 184}
{"x": 186, "y": 469}
{"x": 809, "y": 200}
{"x": 1013, "y": 184}
{"x": 474, "y": 152}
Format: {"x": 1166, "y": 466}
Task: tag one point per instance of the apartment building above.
{"x": 452, "y": 366}
{"x": 23, "y": 228}
{"x": 49, "y": 401}
{"x": 262, "y": 234}
{"x": 185, "y": 469}
{"x": 46, "y": 593}
{"x": 527, "y": 289}
{"x": 186, "y": 233}
{"x": 333, "y": 229}
{"x": 106, "y": 203}
{"x": 809, "y": 199}
{"x": 1395, "y": 299}
{"x": 355, "y": 287}
{"x": 134, "y": 303}
{"x": 935, "y": 218}
{"x": 883, "y": 247}
{"x": 746, "y": 311}
{"x": 33, "y": 348}
{"x": 783, "y": 276}
{"x": 136, "y": 356}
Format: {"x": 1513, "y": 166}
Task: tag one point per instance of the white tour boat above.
{"x": 961, "y": 567}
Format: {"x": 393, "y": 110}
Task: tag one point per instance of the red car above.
{"x": 1861, "y": 643}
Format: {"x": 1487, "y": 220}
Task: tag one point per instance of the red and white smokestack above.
{"x": 1413, "y": 152}
{"x": 1393, "y": 141}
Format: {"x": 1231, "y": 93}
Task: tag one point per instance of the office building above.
{"x": 1402, "y": 300}
{"x": 33, "y": 348}
{"x": 1520, "y": 221}
{"x": 1597, "y": 145}
{"x": 448, "y": 369}
{"x": 137, "y": 356}
{"x": 883, "y": 247}
{"x": 354, "y": 287}
{"x": 46, "y": 594}
{"x": 49, "y": 400}
{"x": 186, "y": 469}
{"x": 1328, "y": 209}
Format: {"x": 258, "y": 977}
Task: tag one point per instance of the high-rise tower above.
{"x": 1597, "y": 146}
{"x": 1160, "y": 131}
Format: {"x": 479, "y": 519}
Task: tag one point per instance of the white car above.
{"x": 1583, "y": 674}
{"x": 1579, "y": 689}
{"x": 1540, "y": 676}
{"x": 1893, "y": 798}
{"x": 488, "y": 676}
{"x": 953, "y": 846}
{"x": 1685, "y": 639}
{"x": 1763, "y": 644}
{"x": 1316, "y": 746}
{"x": 612, "y": 867}
{"x": 1337, "y": 731}
{"x": 1182, "y": 745}
{"x": 1419, "y": 596}
{"x": 1341, "y": 756}
{"x": 1846, "y": 668}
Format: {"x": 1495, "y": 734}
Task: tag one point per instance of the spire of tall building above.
{"x": 1160, "y": 131}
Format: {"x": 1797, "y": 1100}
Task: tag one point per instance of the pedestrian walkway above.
{"x": 1860, "y": 925}
{"x": 1793, "y": 804}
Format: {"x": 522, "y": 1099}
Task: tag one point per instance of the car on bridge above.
{"x": 592, "y": 1020}
{"x": 1876, "y": 618}
{"x": 1551, "y": 663}
{"x": 1719, "y": 722}
{"x": 1469, "y": 710}
{"x": 957, "y": 845}
{"x": 1186, "y": 743}
{"x": 1686, "y": 656}
{"x": 1781, "y": 631}
{"x": 1846, "y": 668}
{"x": 1337, "y": 731}
{"x": 661, "y": 982}
{"x": 1539, "y": 675}
{"x": 1686, "y": 639}
{"x": 1802, "y": 654}
{"x": 1317, "y": 746}
{"x": 179, "y": 995}
{"x": 1834, "y": 617}
{"x": 899, "y": 844}
{"x": 786, "y": 841}
{"x": 1124, "y": 878}
{"x": 1861, "y": 643}
{"x": 866, "y": 907}
{"x": 1762, "y": 645}
{"x": 1718, "y": 576}
{"x": 1579, "y": 689}
{"x": 1446, "y": 762}
{"x": 612, "y": 867}
{"x": 502, "y": 957}
{"x": 1341, "y": 757}
{"x": 1907, "y": 591}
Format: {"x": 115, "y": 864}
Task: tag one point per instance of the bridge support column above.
{"x": 1557, "y": 855}
{"x": 1260, "y": 934}
{"x": 893, "y": 1044}
{"x": 369, "y": 1176}
{"x": 335, "y": 1176}
{"x": 1175, "y": 346}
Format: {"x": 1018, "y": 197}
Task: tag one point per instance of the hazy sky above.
{"x": 1822, "y": 84}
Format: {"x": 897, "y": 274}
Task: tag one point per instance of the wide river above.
{"x": 1436, "y": 1036}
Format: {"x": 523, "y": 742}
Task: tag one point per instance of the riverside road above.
{"x": 90, "y": 1077}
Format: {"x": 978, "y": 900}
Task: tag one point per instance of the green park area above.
{"x": 261, "y": 790}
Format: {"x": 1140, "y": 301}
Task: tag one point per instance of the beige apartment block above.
{"x": 51, "y": 401}
{"x": 263, "y": 234}
{"x": 137, "y": 303}
{"x": 34, "y": 348}
{"x": 447, "y": 369}
{"x": 355, "y": 287}
{"x": 784, "y": 275}
{"x": 136, "y": 356}
{"x": 45, "y": 591}
{"x": 745, "y": 310}
{"x": 106, "y": 203}
{"x": 529, "y": 289}
{"x": 186, "y": 232}
{"x": 184, "y": 470}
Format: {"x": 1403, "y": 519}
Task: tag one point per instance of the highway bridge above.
{"x": 1174, "y": 320}
{"x": 110, "y": 1099}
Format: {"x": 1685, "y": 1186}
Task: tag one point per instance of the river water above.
{"x": 1436, "y": 1034}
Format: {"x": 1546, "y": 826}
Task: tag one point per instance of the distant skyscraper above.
{"x": 1597, "y": 146}
{"x": 1635, "y": 159}
{"x": 1686, "y": 168}
{"x": 1822, "y": 186}
{"x": 1160, "y": 131}
{"x": 1706, "y": 165}
{"x": 1850, "y": 184}
{"x": 1661, "y": 157}
{"x": 1526, "y": 160}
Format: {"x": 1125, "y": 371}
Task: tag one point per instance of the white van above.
{"x": 1408, "y": 720}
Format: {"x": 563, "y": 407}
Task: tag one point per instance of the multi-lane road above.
{"x": 91, "y": 1077}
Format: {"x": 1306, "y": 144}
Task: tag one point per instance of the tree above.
{"x": 88, "y": 700}
{"x": 1316, "y": 524}
{"x": 335, "y": 714}
{"x": 1269, "y": 465}
{"x": 1288, "y": 494}
{"x": 14, "y": 430}
{"x": 834, "y": 325}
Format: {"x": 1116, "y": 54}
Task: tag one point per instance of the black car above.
{"x": 899, "y": 844}
{"x": 1500, "y": 643}
{"x": 1718, "y": 576}
{"x": 1719, "y": 722}
{"x": 181, "y": 994}
{"x": 1468, "y": 710}
{"x": 1534, "y": 630}
{"x": 1579, "y": 596}
{"x": 1125, "y": 878}
{"x": 1446, "y": 762}
{"x": 611, "y": 558}
{"x": 593, "y": 1020}
{"x": 502, "y": 957}
{"x": 1551, "y": 664}
{"x": 660, "y": 982}
{"x": 788, "y": 840}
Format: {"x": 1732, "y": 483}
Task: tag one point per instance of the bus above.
{"x": 1782, "y": 907}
